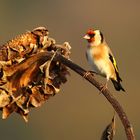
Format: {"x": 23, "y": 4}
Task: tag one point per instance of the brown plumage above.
{"x": 101, "y": 58}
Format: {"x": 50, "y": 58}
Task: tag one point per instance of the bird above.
{"x": 101, "y": 59}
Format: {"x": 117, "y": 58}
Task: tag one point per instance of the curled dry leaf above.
{"x": 109, "y": 131}
{"x": 27, "y": 78}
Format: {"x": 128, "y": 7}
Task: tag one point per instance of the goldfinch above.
{"x": 101, "y": 58}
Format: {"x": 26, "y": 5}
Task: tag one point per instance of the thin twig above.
{"x": 113, "y": 101}
{"x": 42, "y": 57}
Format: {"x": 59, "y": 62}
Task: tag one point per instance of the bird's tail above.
{"x": 117, "y": 85}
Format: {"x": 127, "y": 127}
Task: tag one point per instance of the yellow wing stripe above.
{"x": 113, "y": 62}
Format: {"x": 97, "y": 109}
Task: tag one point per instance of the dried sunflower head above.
{"x": 27, "y": 77}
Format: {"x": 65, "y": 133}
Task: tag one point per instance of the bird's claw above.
{"x": 88, "y": 73}
{"x": 103, "y": 87}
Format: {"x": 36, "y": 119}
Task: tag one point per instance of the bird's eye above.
{"x": 91, "y": 35}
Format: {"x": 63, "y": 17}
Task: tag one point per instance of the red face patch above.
{"x": 90, "y": 32}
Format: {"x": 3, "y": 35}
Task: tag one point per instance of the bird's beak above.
{"x": 86, "y": 37}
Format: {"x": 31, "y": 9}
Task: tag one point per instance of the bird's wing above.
{"x": 112, "y": 59}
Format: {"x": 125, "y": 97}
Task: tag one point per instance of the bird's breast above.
{"x": 91, "y": 60}
{"x": 97, "y": 59}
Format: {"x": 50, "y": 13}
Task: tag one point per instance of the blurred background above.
{"x": 78, "y": 112}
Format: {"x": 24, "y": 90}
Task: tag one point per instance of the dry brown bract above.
{"x": 109, "y": 131}
{"x": 27, "y": 80}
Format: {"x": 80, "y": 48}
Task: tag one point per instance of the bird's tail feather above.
{"x": 117, "y": 85}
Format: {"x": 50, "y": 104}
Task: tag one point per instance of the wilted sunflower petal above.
{"x": 7, "y": 110}
{"x": 4, "y": 98}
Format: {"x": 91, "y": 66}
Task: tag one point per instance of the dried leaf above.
{"x": 109, "y": 131}
{"x": 24, "y": 116}
{"x": 7, "y": 110}
{"x": 4, "y": 98}
{"x": 37, "y": 98}
{"x": 23, "y": 103}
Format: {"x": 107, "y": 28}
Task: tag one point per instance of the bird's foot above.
{"x": 103, "y": 87}
{"x": 88, "y": 73}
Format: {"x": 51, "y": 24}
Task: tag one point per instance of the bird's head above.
{"x": 94, "y": 37}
